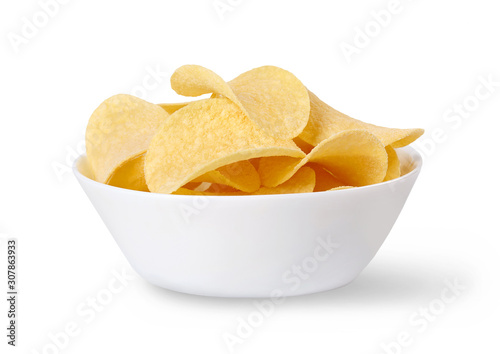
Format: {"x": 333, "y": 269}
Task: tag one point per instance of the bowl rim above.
{"x": 412, "y": 152}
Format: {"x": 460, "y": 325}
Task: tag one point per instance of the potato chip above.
{"x": 394, "y": 166}
{"x": 340, "y": 188}
{"x": 202, "y": 137}
{"x": 119, "y": 130}
{"x": 305, "y": 147}
{"x": 260, "y": 133}
{"x": 275, "y": 170}
{"x": 216, "y": 188}
{"x": 355, "y": 157}
{"x": 240, "y": 175}
{"x": 130, "y": 175}
{"x": 195, "y": 80}
{"x": 185, "y": 191}
{"x": 301, "y": 182}
{"x": 196, "y": 186}
{"x": 272, "y": 97}
{"x": 255, "y": 163}
{"x": 325, "y": 121}
{"x": 211, "y": 189}
{"x": 170, "y": 108}
{"x": 324, "y": 179}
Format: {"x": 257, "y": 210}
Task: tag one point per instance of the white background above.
{"x": 428, "y": 58}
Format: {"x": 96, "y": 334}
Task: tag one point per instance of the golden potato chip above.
{"x": 202, "y": 137}
{"x": 324, "y": 178}
{"x": 301, "y": 182}
{"x": 275, "y": 170}
{"x": 272, "y": 97}
{"x": 195, "y": 80}
{"x": 394, "y": 166}
{"x": 255, "y": 163}
{"x": 306, "y": 147}
{"x": 172, "y": 107}
{"x": 186, "y": 191}
{"x": 240, "y": 175}
{"x": 355, "y": 157}
{"x": 216, "y": 188}
{"x": 212, "y": 189}
{"x": 260, "y": 133}
{"x": 340, "y": 188}
{"x": 196, "y": 186}
{"x": 130, "y": 175}
{"x": 325, "y": 121}
{"x": 119, "y": 130}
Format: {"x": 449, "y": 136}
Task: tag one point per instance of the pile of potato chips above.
{"x": 263, "y": 132}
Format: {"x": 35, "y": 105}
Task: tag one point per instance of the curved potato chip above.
{"x": 324, "y": 179}
{"x": 130, "y": 175}
{"x": 272, "y": 97}
{"x": 119, "y": 130}
{"x": 255, "y": 163}
{"x": 394, "y": 166}
{"x": 301, "y": 182}
{"x": 355, "y": 157}
{"x": 170, "y": 108}
{"x": 240, "y": 175}
{"x": 195, "y": 80}
{"x": 325, "y": 121}
{"x": 306, "y": 147}
{"x": 275, "y": 170}
{"x": 211, "y": 189}
{"x": 196, "y": 186}
{"x": 275, "y": 99}
{"x": 340, "y": 188}
{"x": 202, "y": 137}
{"x": 186, "y": 191}
{"x": 221, "y": 188}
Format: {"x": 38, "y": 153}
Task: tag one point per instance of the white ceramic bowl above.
{"x": 252, "y": 246}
